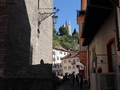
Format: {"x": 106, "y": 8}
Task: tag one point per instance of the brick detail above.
{"x": 3, "y": 36}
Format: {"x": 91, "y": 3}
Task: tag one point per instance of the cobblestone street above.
{"x": 66, "y": 86}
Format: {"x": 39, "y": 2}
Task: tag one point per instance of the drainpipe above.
{"x": 118, "y": 47}
{"x": 88, "y": 66}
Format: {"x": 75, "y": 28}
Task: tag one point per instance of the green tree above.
{"x": 74, "y": 32}
{"x": 56, "y": 43}
{"x": 67, "y": 45}
{"x": 62, "y": 38}
{"x": 75, "y": 36}
{"x": 54, "y": 31}
{"x": 63, "y": 31}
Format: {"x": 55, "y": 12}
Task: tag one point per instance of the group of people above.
{"x": 78, "y": 79}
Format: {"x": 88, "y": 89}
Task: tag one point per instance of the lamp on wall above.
{"x": 44, "y": 15}
{"x": 54, "y": 17}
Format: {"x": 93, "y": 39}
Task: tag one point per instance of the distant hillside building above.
{"x": 68, "y": 24}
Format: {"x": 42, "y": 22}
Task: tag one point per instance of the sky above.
{"x": 67, "y": 12}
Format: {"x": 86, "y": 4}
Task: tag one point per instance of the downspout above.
{"x": 117, "y": 31}
{"x": 118, "y": 48}
{"x": 88, "y": 66}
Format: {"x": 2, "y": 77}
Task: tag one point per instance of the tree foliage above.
{"x": 74, "y": 32}
{"x": 62, "y": 38}
{"x": 63, "y": 31}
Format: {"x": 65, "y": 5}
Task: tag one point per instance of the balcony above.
{"x": 83, "y": 57}
{"x": 80, "y": 13}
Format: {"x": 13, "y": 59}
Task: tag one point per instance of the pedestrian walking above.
{"x": 77, "y": 79}
{"x": 73, "y": 75}
{"x": 71, "y": 79}
{"x": 80, "y": 78}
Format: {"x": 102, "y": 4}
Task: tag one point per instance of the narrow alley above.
{"x": 66, "y": 86}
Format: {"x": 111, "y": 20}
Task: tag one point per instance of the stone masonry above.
{"x": 22, "y": 45}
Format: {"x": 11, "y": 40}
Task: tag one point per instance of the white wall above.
{"x": 58, "y": 54}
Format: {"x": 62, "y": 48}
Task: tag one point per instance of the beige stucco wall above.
{"x": 41, "y": 43}
{"x": 69, "y": 64}
{"x": 100, "y": 40}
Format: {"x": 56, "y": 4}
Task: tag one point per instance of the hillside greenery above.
{"x": 62, "y": 38}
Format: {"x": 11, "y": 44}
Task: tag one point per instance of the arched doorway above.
{"x": 111, "y": 55}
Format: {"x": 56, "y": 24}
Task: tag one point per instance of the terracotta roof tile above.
{"x": 72, "y": 54}
{"x": 60, "y": 48}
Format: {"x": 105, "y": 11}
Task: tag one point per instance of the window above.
{"x": 64, "y": 53}
{"x": 53, "y": 52}
{"x": 69, "y": 67}
{"x": 57, "y": 58}
{"x": 83, "y": 48}
{"x": 73, "y": 60}
{"x": 64, "y": 61}
{"x": 73, "y": 67}
{"x": 69, "y": 61}
{"x": 60, "y": 52}
{"x": 65, "y": 67}
{"x": 60, "y": 65}
{"x": 53, "y": 58}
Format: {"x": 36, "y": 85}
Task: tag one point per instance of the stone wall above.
{"x": 42, "y": 42}
{"x": 18, "y": 38}
{"x": 25, "y": 45}
{"x": 21, "y": 44}
{"x": 3, "y": 34}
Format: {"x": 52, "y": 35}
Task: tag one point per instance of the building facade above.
{"x": 100, "y": 36}
{"x": 58, "y": 53}
{"x": 70, "y": 63}
{"x": 83, "y": 49}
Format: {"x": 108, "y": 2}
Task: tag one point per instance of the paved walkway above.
{"x": 66, "y": 86}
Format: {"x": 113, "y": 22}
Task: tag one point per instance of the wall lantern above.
{"x": 54, "y": 17}
{"x": 44, "y": 15}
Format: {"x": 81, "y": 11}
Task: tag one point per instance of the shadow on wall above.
{"x": 18, "y": 39}
{"x": 19, "y": 73}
